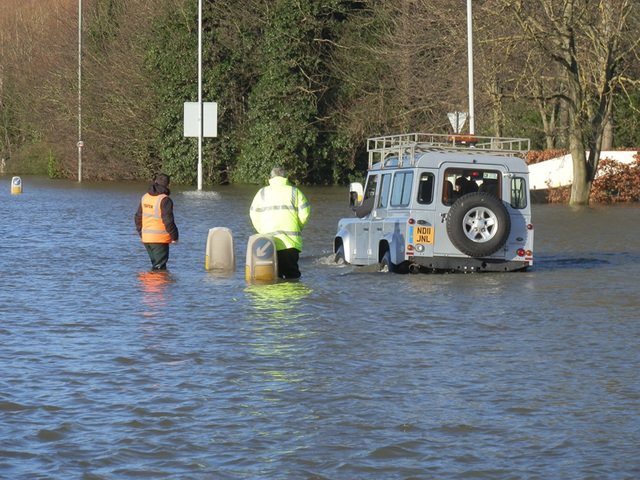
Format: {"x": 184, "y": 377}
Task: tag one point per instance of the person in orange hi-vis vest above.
{"x": 155, "y": 223}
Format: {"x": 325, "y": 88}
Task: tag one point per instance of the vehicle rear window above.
{"x": 459, "y": 182}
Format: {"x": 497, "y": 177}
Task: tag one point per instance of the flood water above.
{"x": 109, "y": 371}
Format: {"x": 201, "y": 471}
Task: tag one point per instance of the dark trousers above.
{"x": 159, "y": 255}
{"x": 288, "y": 263}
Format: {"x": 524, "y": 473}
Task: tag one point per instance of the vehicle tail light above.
{"x": 411, "y": 221}
{"x": 521, "y": 252}
{"x": 529, "y": 226}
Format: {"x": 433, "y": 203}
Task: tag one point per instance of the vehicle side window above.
{"x": 448, "y": 196}
{"x": 367, "y": 204}
{"x": 384, "y": 191}
{"x": 425, "y": 188}
{"x": 401, "y": 191}
{"x": 518, "y": 193}
{"x": 370, "y": 189}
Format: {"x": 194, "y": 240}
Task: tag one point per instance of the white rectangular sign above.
{"x": 210, "y": 119}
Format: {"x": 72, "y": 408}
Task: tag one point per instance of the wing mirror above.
{"x": 356, "y": 192}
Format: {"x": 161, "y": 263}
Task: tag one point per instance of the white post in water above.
{"x": 219, "y": 254}
{"x": 470, "y": 56}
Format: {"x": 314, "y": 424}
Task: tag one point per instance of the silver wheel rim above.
{"x": 480, "y": 224}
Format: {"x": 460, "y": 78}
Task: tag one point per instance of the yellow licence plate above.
{"x": 422, "y": 235}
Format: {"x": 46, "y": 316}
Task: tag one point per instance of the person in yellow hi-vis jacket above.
{"x": 281, "y": 211}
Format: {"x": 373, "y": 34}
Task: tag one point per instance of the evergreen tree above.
{"x": 287, "y": 125}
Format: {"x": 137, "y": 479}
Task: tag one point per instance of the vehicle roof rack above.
{"x": 406, "y": 146}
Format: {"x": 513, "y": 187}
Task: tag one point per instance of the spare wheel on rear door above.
{"x": 478, "y": 224}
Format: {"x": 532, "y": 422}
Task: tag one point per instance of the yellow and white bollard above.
{"x": 219, "y": 252}
{"x": 262, "y": 261}
{"x": 16, "y": 185}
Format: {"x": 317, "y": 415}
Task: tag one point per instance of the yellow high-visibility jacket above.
{"x": 280, "y": 210}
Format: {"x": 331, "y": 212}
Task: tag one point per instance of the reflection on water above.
{"x": 276, "y": 325}
{"x": 279, "y": 298}
{"x": 107, "y": 371}
{"x": 154, "y": 285}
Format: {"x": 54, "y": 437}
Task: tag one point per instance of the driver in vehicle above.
{"x": 369, "y": 200}
{"x": 464, "y": 186}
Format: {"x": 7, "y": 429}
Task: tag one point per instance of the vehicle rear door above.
{"x": 450, "y": 187}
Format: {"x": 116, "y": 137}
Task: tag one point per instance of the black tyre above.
{"x": 339, "y": 258}
{"x": 478, "y": 224}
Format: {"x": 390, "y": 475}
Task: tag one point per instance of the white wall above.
{"x": 558, "y": 172}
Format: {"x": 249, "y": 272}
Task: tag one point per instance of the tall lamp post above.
{"x": 79, "y": 144}
{"x": 472, "y": 126}
{"x": 200, "y": 112}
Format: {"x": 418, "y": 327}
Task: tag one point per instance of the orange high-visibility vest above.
{"x": 153, "y": 229}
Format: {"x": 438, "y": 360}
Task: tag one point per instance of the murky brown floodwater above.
{"x": 110, "y": 372}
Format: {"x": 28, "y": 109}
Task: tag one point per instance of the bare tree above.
{"x": 590, "y": 43}
{"x": 407, "y": 64}
{"x": 120, "y": 107}
{"x": 33, "y": 75}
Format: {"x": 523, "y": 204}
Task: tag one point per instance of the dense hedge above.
{"x": 616, "y": 182}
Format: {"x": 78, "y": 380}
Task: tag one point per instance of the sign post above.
{"x": 200, "y": 120}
